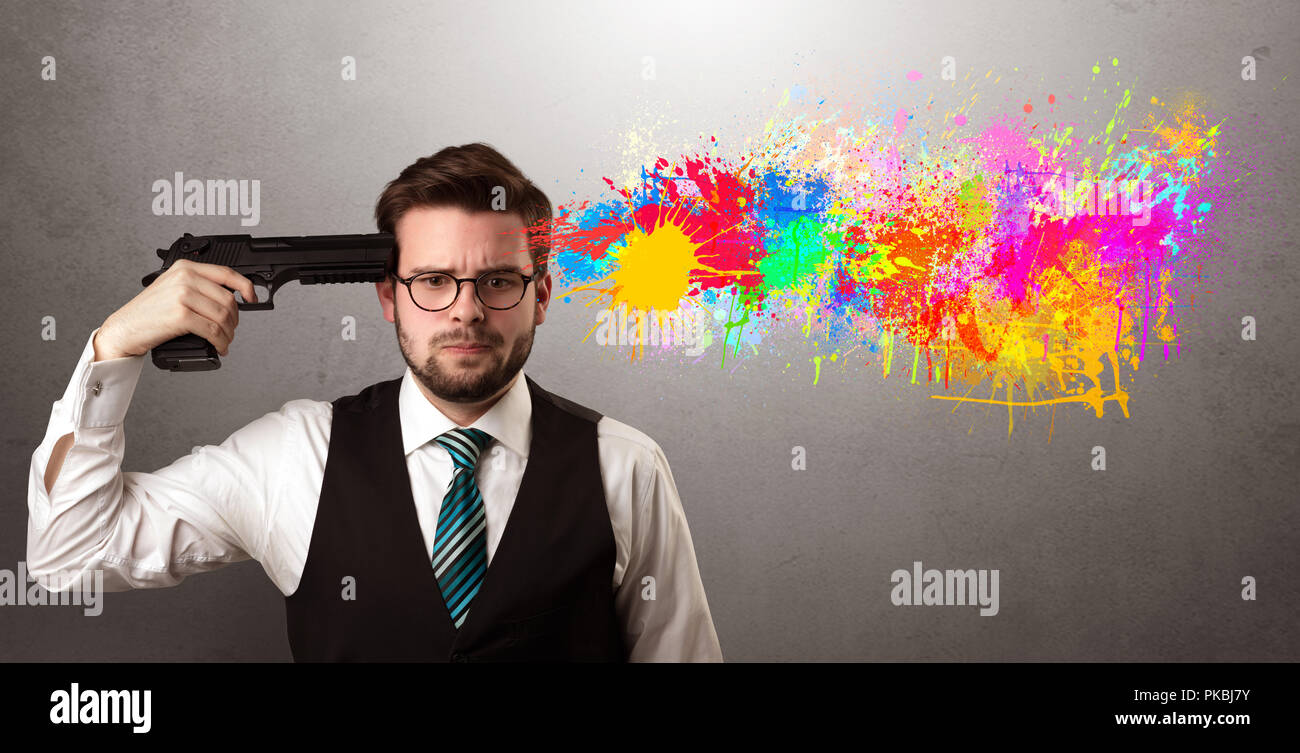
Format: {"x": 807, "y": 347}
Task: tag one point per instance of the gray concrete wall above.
{"x": 1143, "y": 561}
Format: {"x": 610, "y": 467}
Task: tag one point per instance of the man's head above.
{"x": 464, "y": 211}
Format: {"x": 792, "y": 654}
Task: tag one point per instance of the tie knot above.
{"x": 464, "y": 445}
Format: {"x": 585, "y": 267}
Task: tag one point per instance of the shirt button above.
{"x": 98, "y": 386}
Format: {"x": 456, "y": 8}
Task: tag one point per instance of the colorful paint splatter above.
{"x": 1011, "y": 256}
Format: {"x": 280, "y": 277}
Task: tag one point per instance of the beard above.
{"x": 469, "y": 385}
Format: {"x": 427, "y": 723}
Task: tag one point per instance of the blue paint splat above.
{"x": 779, "y": 194}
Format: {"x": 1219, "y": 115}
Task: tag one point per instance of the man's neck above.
{"x": 464, "y": 414}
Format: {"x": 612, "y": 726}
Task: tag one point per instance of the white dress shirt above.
{"x": 255, "y": 496}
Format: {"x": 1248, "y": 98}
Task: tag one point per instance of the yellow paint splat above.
{"x": 654, "y": 270}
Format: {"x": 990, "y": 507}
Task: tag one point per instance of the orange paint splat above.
{"x": 1051, "y": 99}
{"x": 1029, "y": 107}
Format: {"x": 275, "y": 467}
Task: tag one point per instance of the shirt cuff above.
{"x": 102, "y": 390}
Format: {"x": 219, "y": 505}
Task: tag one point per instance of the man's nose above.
{"x": 467, "y": 305}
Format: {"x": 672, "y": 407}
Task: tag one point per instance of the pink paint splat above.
{"x": 960, "y": 120}
{"x": 1002, "y": 145}
{"x": 913, "y": 75}
{"x": 900, "y": 120}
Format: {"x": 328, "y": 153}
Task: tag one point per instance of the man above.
{"x": 458, "y": 513}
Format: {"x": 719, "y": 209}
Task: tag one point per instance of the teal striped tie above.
{"x": 460, "y": 544}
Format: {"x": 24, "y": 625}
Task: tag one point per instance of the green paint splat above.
{"x": 887, "y": 348}
{"x": 797, "y": 253}
{"x": 976, "y": 209}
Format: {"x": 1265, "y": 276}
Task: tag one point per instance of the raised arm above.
{"x": 144, "y": 530}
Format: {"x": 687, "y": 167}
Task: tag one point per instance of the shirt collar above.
{"x": 509, "y": 420}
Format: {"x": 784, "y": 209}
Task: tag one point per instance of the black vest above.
{"x": 546, "y": 596}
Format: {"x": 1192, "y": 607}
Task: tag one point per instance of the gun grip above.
{"x": 189, "y": 352}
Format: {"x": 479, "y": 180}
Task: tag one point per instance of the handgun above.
{"x": 269, "y": 263}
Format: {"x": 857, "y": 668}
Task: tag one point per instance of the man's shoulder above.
{"x": 627, "y": 441}
{"x": 619, "y": 442}
{"x": 306, "y": 407}
{"x": 294, "y": 421}
{"x": 370, "y": 397}
{"x": 298, "y": 415}
{"x": 633, "y": 463}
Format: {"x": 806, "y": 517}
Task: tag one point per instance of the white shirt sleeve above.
{"x": 676, "y": 624}
{"x": 143, "y": 530}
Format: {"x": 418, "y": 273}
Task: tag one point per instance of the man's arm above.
{"x": 676, "y": 625}
{"x": 144, "y": 530}
{"x": 117, "y": 374}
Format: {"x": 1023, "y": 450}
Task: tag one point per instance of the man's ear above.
{"x": 386, "y": 290}
{"x": 543, "y": 297}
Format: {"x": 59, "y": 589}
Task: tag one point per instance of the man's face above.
{"x": 463, "y": 244}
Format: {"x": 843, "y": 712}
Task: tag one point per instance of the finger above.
{"x": 197, "y": 324}
{"x": 215, "y": 324}
{"x": 220, "y": 295}
{"x": 229, "y": 278}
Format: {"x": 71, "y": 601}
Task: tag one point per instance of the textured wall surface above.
{"x": 1142, "y": 561}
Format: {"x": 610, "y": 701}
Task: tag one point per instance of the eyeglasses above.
{"x": 435, "y": 291}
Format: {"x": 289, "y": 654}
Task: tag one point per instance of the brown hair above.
{"x": 467, "y": 177}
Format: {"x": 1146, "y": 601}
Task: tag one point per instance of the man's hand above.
{"x": 190, "y": 297}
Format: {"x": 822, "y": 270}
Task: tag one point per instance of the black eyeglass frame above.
{"x": 458, "y": 280}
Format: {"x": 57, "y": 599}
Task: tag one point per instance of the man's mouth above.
{"x": 467, "y": 348}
